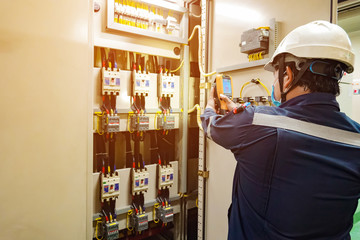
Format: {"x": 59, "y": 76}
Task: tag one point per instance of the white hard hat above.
{"x": 318, "y": 39}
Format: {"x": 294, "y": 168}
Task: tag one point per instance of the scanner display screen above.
{"x": 227, "y": 86}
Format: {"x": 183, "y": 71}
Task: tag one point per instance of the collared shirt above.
{"x": 298, "y": 169}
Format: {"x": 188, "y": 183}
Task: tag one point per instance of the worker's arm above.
{"x": 229, "y": 130}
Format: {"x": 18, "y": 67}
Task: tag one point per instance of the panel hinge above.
{"x": 204, "y": 174}
{"x": 205, "y": 85}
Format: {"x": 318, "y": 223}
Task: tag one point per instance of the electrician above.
{"x": 298, "y": 165}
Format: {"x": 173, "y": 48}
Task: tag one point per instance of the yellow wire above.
{"x": 196, "y": 203}
{"x": 155, "y": 206}
{"x": 242, "y": 87}
{"x": 266, "y": 28}
{"x": 98, "y": 124}
{"x": 127, "y": 220}
{"x": 267, "y": 90}
{"x": 96, "y": 230}
{"x": 128, "y": 122}
{"x": 197, "y": 107}
{"x": 199, "y": 51}
{"x": 175, "y": 70}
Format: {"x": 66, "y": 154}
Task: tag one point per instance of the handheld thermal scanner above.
{"x": 223, "y": 85}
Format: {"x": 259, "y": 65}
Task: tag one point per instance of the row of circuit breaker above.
{"x": 141, "y": 83}
{"x": 140, "y": 88}
{"x": 110, "y": 189}
{"x": 110, "y": 185}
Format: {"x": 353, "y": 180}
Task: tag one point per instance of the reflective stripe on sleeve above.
{"x": 312, "y": 129}
{"x": 208, "y": 127}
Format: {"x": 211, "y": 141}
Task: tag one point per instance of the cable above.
{"x": 128, "y": 121}
{"x": 197, "y": 107}
{"x": 256, "y": 81}
{"x": 98, "y": 220}
{"x": 155, "y": 206}
{"x": 127, "y": 220}
{"x": 242, "y": 87}
{"x": 199, "y": 51}
{"x": 175, "y": 70}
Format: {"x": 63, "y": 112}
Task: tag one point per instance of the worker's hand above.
{"x": 230, "y": 104}
{"x": 211, "y": 100}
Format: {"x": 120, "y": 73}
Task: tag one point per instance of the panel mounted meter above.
{"x": 166, "y": 85}
{"x": 141, "y": 83}
{"x": 110, "y": 81}
{"x": 255, "y": 40}
{"x": 165, "y": 176}
{"x": 110, "y": 187}
{"x": 140, "y": 181}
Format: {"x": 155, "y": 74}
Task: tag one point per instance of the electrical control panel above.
{"x": 110, "y": 82}
{"x": 165, "y": 176}
{"x": 140, "y": 222}
{"x": 139, "y": 123}
{"x": 110, "y": 187}
{"x": 255, "y": 40}
{"x": 141, "y": 83}
{"x": 165, "y": 214}
{"x": 166, "y": 85}
{"x": 166, "y": 122}
{"x": 111, "y": 230}
{"x": 110, "y": 124}
{"x": 140, "y": 181}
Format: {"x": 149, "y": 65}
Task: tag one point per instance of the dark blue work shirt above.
{"x": 298, "y": 169}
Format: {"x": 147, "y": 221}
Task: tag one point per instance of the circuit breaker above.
{"x": 110, "y": 187}
{"x": 110, "y": 124}
{"x": 110, "y": 81}
{"x": 165, "y": 214}
{"x": 165, "y": 176}
{"x": 140, "y": 222}
{"x": 140, "y": 181}
{"x": 255, "y": 40}
{"x": 166, "y": 85}
{"x": 141, "y": 83}
{"x": 166, "y": 122}
{"x": 111, "y": 230}
{"x": 139, "y": 123}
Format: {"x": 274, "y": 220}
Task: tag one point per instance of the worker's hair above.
{"x": 315, "y": 82}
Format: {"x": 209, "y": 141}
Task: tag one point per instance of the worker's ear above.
{"x": 288, "y": 78}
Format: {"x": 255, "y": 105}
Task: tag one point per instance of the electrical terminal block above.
{"x": 141, "y": 83}
{"x": 140, "y": 181}
{"x": 110, "y": 187}
{"x": 238, "y": 100}
{"x": 140, "y": 222}
{"x": 166, "y": 122}
{"x": 111, "y": 230}
{"x": 255, "y": 40}
{"x": 165, "y": 214}
{"x": 249, "y": 99}
{"x": 110, "y": 81}
{"x": 261, "y": 99}
{"x": 140, "y": 123}
{"x": 172, "y": 24}
{"x": 165, "y": 176}
{"x": 166, "y": 85}
{"x": 110, "y": 124}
